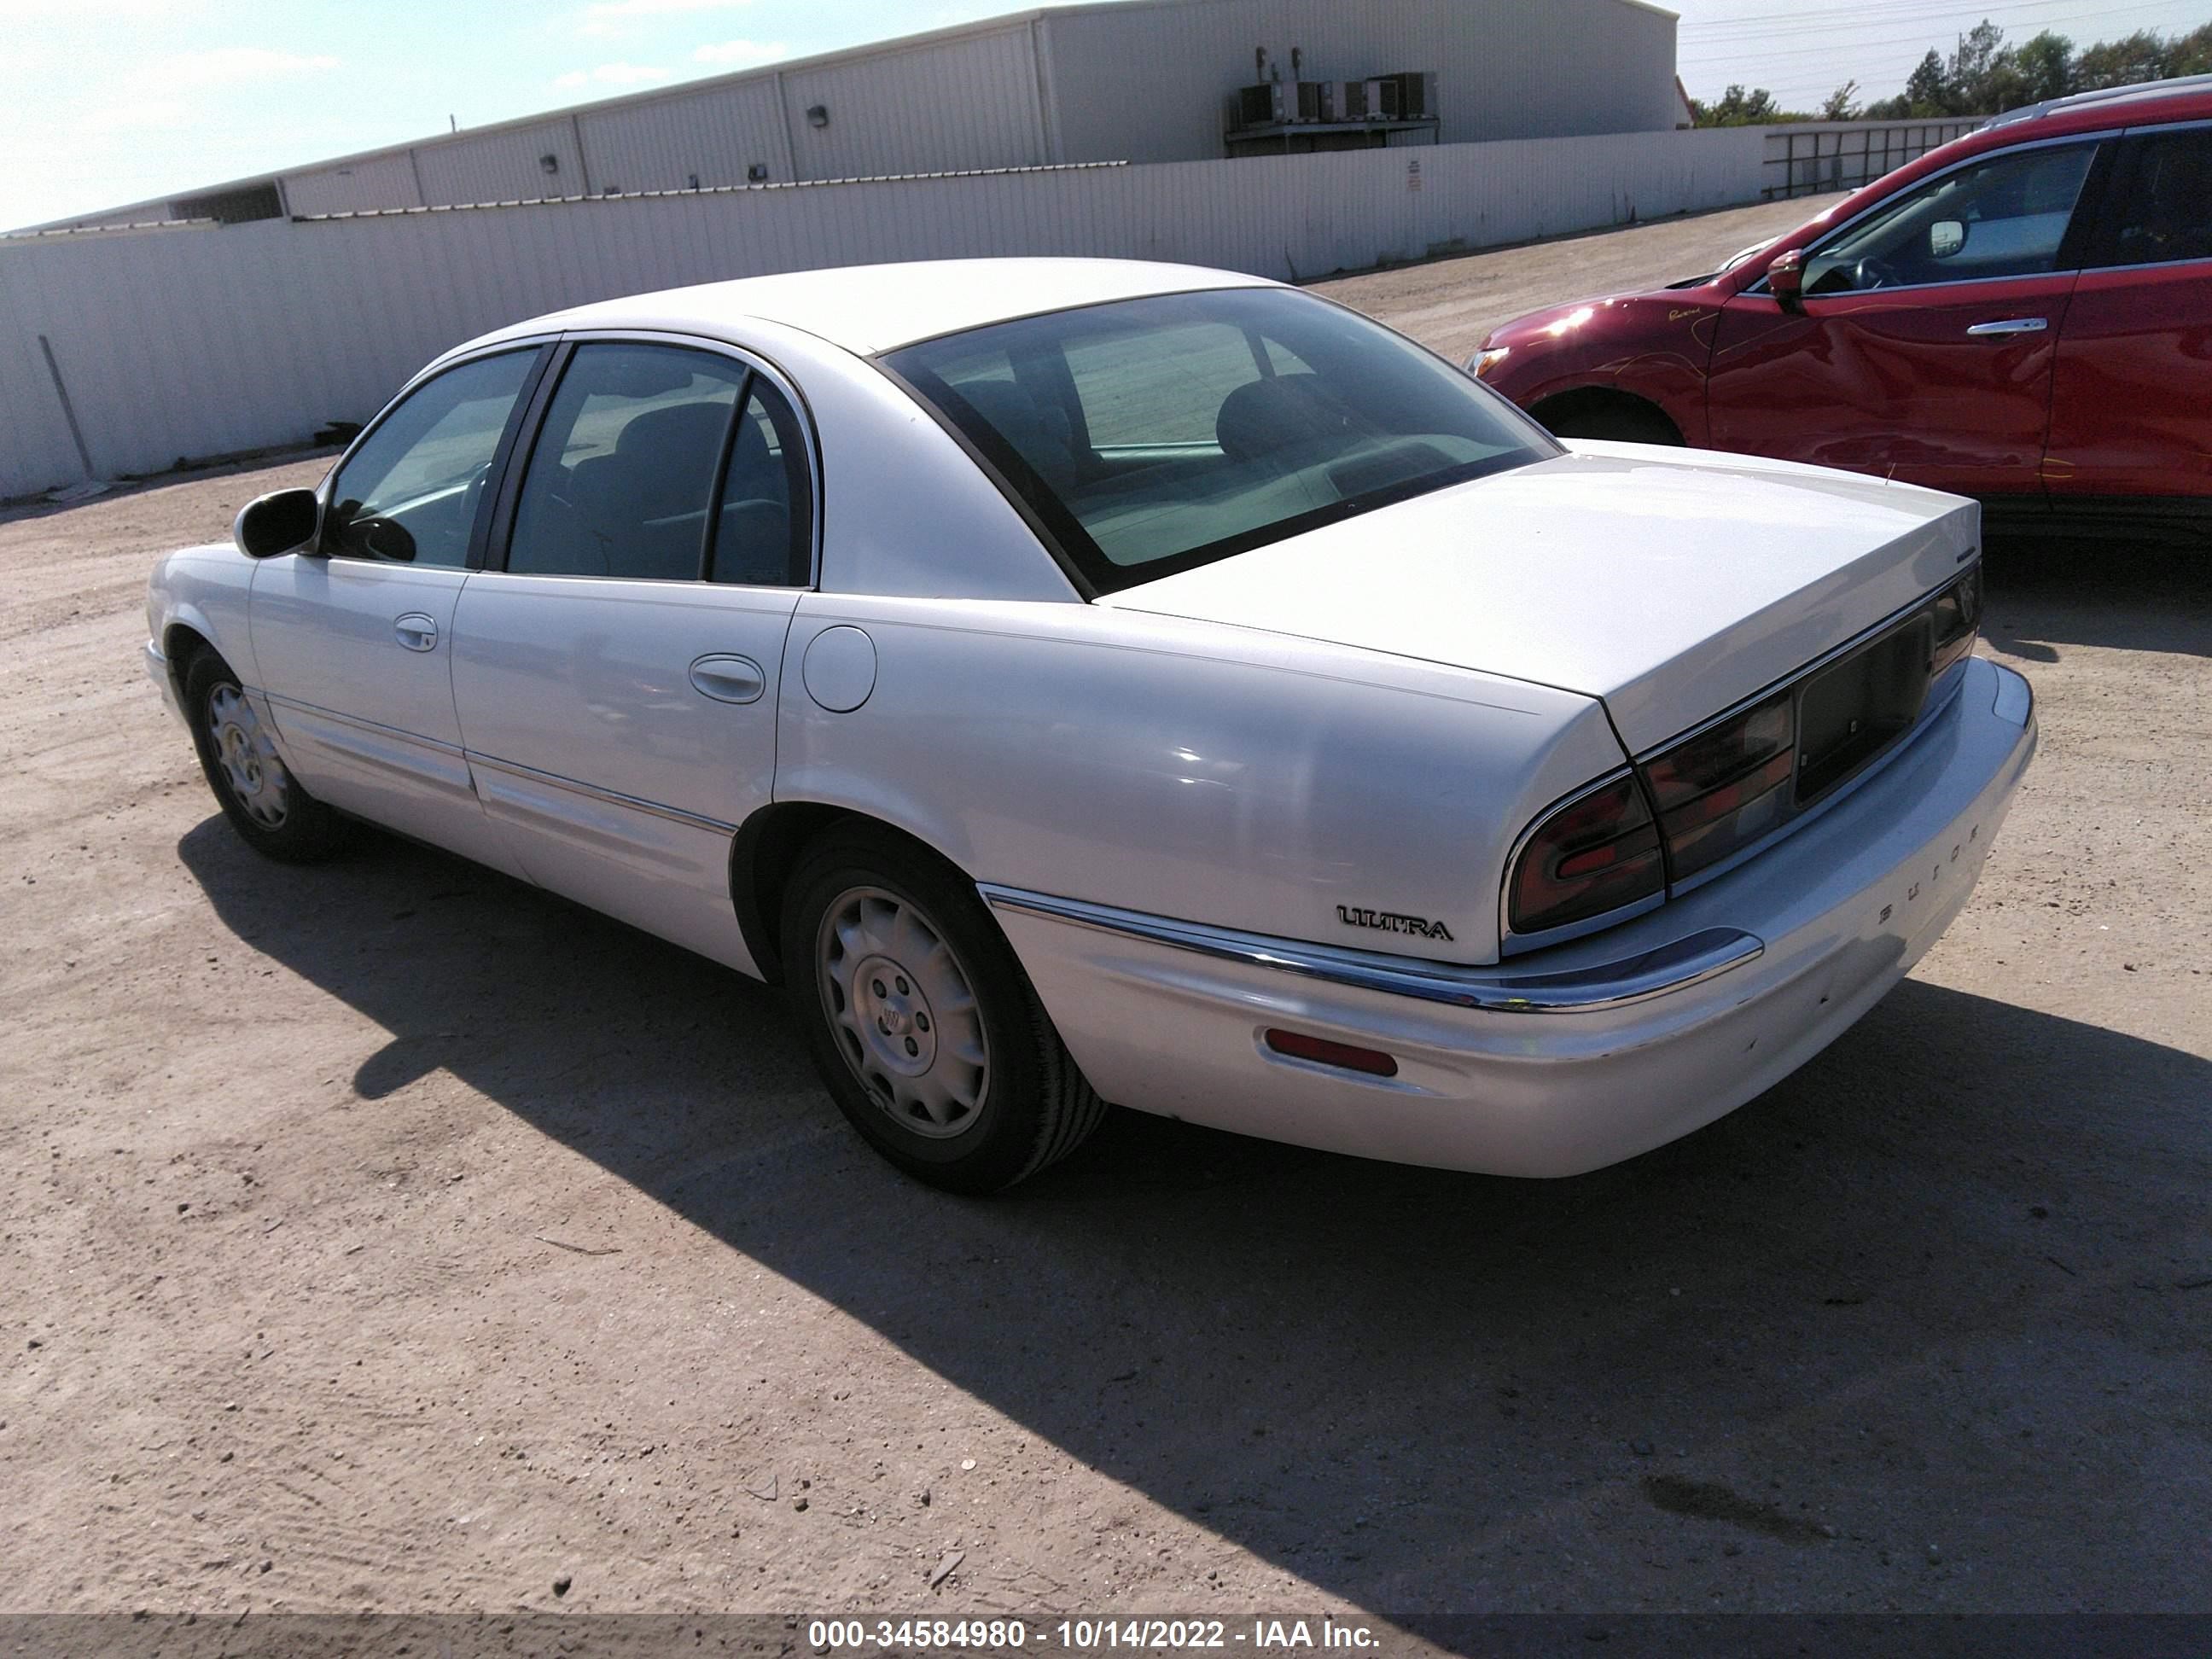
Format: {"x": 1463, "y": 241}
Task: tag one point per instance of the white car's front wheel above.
{"x": 922, "y": 1022}
{"x": 271, "y": 809}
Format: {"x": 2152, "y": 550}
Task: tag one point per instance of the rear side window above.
{"x": 764, "y": 538}
{"x": 2004, "y": 216}
{"x": 623, "y": 475}
{"x": 2165, "y": 210}
{"x": 410, "y": 493}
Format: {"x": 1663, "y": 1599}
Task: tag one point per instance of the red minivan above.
{"x": 2023, "y": 315}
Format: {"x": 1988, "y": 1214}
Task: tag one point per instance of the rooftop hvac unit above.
{"x": 1385, "y": 99}
{"x": 1350, "y": 100}
{"x": 1260, "y": 105}
{"x": 1313, "y": 101}
{"x": 1417, "y": 95}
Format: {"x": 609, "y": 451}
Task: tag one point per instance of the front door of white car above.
{"x": 615, "y": 670}
{"x": 354, "y": 641}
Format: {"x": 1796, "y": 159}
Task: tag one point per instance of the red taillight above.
{"x": 1596, "y": 853}
{"x": 1725, "y": 788}
{"x": 1298, "y": 1046}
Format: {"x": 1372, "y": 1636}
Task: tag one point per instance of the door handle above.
{"x": 728, "y": 679}
{"x": 2010, "y": 325}
{"x": 416, "y": 631}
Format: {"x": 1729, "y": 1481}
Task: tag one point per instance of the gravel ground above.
{"x": 387, "y": 1235}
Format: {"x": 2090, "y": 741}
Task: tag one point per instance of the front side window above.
{"x": 410, "y": 493}
{"x": 1149, "y": 435}
{"x": 2004, "y": 216}
{"x": 622, "y": 476}
{"x": 2165, "y": 210}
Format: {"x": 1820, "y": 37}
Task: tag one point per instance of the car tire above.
{"x": 924, "y": 1028}
{"x": 271, "y": 809}
{"x": 1619, "y": 420}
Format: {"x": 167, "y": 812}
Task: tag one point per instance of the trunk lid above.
{"x": 1671, "y": 584}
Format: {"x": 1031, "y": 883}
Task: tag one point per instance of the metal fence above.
{"x": 122, "y": 352}
{"x": 1814, "y": 157}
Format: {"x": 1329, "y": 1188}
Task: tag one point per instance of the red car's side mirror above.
{"x": 1785, "y": 279}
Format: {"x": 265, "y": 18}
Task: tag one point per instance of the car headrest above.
{"x": 1264, "y": 418}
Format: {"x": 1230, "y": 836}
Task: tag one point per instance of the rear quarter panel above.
{"x": 1188, "y": 769}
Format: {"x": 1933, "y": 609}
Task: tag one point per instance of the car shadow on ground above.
{"x": 1810, "y": 1325}
{"x": 2045, "y": 594}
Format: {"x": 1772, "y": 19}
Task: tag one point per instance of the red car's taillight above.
{"x": 1595, "y": 854}
{"x": 1726, "y": 787}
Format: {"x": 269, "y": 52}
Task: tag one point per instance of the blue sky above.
{"x": 107, "y": 101}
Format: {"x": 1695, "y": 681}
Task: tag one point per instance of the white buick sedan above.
{"x": 1081, "y": 681}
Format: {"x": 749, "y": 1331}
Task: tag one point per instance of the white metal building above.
{"x": 1138, "y": 81}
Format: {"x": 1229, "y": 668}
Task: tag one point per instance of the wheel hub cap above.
{"x": 257, "y": 779}
{"x": 905, "y": 1016}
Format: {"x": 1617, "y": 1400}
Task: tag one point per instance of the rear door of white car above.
{"x": 615, "y": 668}
{"x": 353, "y": 639}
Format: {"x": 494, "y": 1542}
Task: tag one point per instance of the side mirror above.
{"x": 1785, "y": 279}
{"x": 1945, "y": 237}
{"x": 275, "y": 523}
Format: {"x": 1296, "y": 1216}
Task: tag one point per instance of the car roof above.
{"x": 2182, "y": 98}
{"x": 872, "y": 308}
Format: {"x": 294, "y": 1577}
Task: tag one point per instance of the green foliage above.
{"x": 1984, "y": 76}
{"x": 1739, "y": 108}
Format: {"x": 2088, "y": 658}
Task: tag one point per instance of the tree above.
{"x": 2137, "y": 57}
{"x": 2190, "y": 53}
{"x": 1928, "y": 89}
{"x": 1739, "y": 108}
{"x": 1841, "y": 105}
{"x": 2038, "y": 68}
{"x": 1974, "y": 66}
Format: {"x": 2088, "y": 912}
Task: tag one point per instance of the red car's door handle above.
{"x": 2011, "y": 325}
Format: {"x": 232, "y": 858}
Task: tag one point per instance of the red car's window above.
{"x": 2165, "y": 213}
{"x": 2005, "y": 216}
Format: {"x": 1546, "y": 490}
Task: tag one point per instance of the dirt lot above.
{"x": 386, "y": 1235}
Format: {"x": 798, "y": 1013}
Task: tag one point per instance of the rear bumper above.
{"x": 1573, "y": 1058}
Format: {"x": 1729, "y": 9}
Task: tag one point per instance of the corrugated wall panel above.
{"x": 37, "y": 452}
{"x": 707, "y": 139}
{"x": 378, "y": 181}
{"x": 1148, "y": 83}
{"x": 504, "y": 167}
{"x": 966, "y": 103}
{"x": 202, "y": 342}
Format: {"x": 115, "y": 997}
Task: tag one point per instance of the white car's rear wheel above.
{"x": 922, "y": 1024}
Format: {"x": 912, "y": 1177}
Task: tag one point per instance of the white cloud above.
{"x": 606, "y": 17}
{"x": 740, "y": 54}
{"x": 613, "y": 75}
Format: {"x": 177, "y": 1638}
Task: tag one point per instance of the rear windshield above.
{"x": 1149, "y": 435}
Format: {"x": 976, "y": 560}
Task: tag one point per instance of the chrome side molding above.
{"x": 1675, "y": 966}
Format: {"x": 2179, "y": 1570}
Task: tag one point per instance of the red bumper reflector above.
{"x": 1322, "y": 1052}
